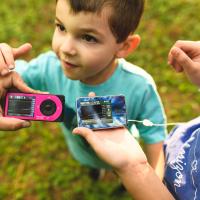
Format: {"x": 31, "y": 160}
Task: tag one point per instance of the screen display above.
{"x": 91, "y": 112}
{"x": 21, "y": 106}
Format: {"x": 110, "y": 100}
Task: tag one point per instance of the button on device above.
{"x": 48, "y": 107}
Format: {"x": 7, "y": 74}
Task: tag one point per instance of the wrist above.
{"x": 132, "y": 168}
{"x": 142, "y": 183}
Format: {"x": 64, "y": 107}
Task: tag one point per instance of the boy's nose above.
{"x": 68, "y": 46}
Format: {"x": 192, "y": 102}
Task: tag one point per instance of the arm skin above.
{"x": 155, "y": 156}
{"x": 119, "y": 149}
{"x": 142, "y": 183}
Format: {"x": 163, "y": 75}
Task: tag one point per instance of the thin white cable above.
{"x": 147, "y": 122}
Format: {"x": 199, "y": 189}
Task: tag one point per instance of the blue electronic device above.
{"x": 101, "y": 112}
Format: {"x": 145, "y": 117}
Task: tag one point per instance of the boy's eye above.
{"x": 89, "y": 38}
{"x": 60, "y": 27}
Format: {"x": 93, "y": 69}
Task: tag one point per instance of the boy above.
{"x": 89, "y": 38}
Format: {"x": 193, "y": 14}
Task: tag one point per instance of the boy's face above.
{"x": 84, "y": 44}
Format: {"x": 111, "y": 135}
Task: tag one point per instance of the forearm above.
{"x": 142, "y": 183}
{"x": 155, "y": 156}
{"x": 159, "y": 169}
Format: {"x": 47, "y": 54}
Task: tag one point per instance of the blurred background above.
{"x": 34, "y": 162}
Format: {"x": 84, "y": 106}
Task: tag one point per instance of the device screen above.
{"x": 92, "y": 111}
{"x": 21, "y": 106}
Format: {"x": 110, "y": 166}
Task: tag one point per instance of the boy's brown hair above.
{"x": 124, "y": 19}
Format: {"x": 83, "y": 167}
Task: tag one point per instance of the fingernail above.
{"x": 26, "y": 124}
{"x": 4, "y": 72}
{"x": 11, "y": 67}
{"x": 43, "y": 92}
{"x": 91, "y": 94}
{"x": 75, "y": 131}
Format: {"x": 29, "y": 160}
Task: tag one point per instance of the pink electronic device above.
{"x": 40, "y": 107}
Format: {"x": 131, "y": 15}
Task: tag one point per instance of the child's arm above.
{"x": 119, "y": 149}
{"x": 155, "y": 156}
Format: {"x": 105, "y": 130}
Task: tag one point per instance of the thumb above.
{"x": 182, "y": 58}
{"x": 23, "y": 49}
{"x": 91, "y": 94}
{"x": 88, "y": 134}
{"x": 96, "y": 143}
{"x": 11, "y": 124}
{"x": 18, "y": 83}
{"x": 85, "y": 132}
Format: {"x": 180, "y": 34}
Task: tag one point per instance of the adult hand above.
{"x": 12, "y": 80}
{"x": 185, "y": 56}
{"x": 117, "y": 147}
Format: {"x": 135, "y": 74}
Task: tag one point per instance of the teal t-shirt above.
{"x": 142, "y": 100}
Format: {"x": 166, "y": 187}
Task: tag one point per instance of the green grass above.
{"x": 35, "y": 163}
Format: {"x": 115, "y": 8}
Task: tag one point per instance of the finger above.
{"x": 23, "y": 49}
{"x": 1, "y": 111}
{"x": 175, "y": 65}
{"x": 89, "y": 135}
{"x": 17, "y": 82}
{"x": 85, "y": 132}
{"x": 181, "y": 58}
{"x": 91, "y": 94}
{"x": 100, "y": 146}
{"x": 187, "y": 46}
{"x": 11, "y": 124}
{"x": 169, "y": 58}
{"x": 7, "y": 55}
{"x": 3, "y": 66}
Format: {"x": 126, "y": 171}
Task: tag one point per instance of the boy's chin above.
{"x": 76, "y": 77}
{"x": 71, "y": 76}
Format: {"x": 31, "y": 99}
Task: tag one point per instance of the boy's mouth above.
{"x": 68, "y": 64}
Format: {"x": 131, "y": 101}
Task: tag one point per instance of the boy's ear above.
{"x": 128, "y": 46}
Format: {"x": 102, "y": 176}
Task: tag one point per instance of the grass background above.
{"x": 34, "y": 162}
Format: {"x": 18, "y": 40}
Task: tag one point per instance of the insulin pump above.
{"x": 101, "y": 112}
{"x": 39, "y": 107}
